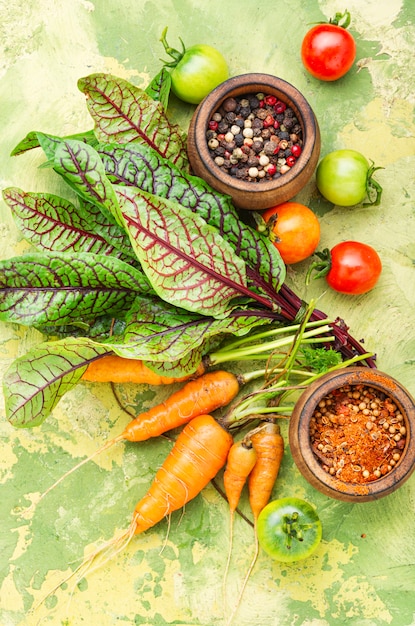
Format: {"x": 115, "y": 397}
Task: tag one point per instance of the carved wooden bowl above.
{"x": 247, "y": 194}
{"x": 312, "y": 466}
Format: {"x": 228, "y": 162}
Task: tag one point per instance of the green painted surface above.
{"x": 363, "y": 574}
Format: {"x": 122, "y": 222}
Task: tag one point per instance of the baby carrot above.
{"x": 269, "y": 446}
{"x": 199, "y": 452}
{"x": 197, "y": 397}
{"x": 240, "y": 462}
{"x": 112, "y": 368}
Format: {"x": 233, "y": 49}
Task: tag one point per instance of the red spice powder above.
{"x": 357, "y": 433}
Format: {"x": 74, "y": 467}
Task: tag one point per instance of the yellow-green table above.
{"x": 363, "y": 573}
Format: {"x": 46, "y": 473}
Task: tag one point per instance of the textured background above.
{"x": 363, "y": 573}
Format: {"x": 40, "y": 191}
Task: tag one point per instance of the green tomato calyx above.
{"x": 321, "y": 267}
{"x": 176, "y": 55}
{"x": 373, "y": 189}
{"x": 341, "y": 19}
{"x": 293, "y": 529}
{"x": 266, "y": 228}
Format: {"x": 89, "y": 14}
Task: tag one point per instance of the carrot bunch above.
{"x": 255, "y": 460}
{"x": 206, "y": 444}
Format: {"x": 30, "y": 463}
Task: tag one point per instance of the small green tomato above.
{"x": 344, "y": 177}
{"x": 289, "y": 529}
{"x": 196, "y": 71}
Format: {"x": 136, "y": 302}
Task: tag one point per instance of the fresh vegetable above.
{"x": 198, "y": 454}
{"x": 111, "y": 368}
{"x": 269, "y": 446}
{"x": 345, "y": 178}
{"x": 241, "y": 460}
{"x": 239, "y": 464}
{"x": 294, "y": 230}
{"x": 350, "y": 267}
{"x": 206, "y": 393}
{"x": 196, "y": 71}
{"x": 289, "y": 529}
{"x": 328, "y": 49}
{"x": 117, "y": 189}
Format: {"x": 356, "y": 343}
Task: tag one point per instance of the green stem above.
{"x": 281, "y": 330}
{"x": 176, "y": 55}
{"x": 233, "y": 355}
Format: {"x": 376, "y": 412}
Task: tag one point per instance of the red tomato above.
{"x": 354, "y": 268}
{"x": 294, "y": 230}
{"x": 328, "y": 50}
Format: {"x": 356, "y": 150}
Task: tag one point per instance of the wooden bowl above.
{"x": 312, "y": 468}
{"x": 246, "y": 194}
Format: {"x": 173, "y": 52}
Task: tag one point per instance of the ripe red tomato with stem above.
{"x": 293, "y": 228}
{"x": 328, "y": 49}
{"x": 350, "y": 267}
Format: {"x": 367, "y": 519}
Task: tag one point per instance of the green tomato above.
{"x": 289, "y": 529}
{"x": 196, "y": 71}
{"x": 344, "y": 177}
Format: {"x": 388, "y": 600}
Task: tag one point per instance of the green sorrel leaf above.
{"x": 141, "y": 166}
{"x": 158, "y": 332}
{"x": 159, "y": 87}
{"x": 34, "y": 383}
{"x": 32, "y": 141}
{"x": 124, "y": 113}
{"x": 52, "y": 223}
{"x": 186, "y": 261}
{"x": 60, "y": 288}
{"x": 82, "y": 169}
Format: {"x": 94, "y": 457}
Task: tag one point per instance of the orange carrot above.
{"x": 199, "y": 452}
{"x": 111, "y": 368}
{"x": 240, "y": 462}
{"x": 202, "y": 395}
{"x": 269, "y": 446}
{"x": 197, "y": 397}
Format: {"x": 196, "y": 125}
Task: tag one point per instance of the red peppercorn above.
{"x": 213, "y": 125}
{"x": 296, "y": 150}
{"x": 271, "y": 169}
{"x": 276, "y": 124}
{"x": 290, "y": 160}
{"x": 268, "y": 121}
{"x": 271, "y": 100}
{"x": 280, "y": 107}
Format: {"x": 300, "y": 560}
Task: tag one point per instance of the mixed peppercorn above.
{"x": 256, "y": 137}
{"x": 357, "y": 433}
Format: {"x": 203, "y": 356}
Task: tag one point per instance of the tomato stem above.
{"x": 176, "y": 55}
{"x": 321, "y": 267}
{"x": 341, "y": 19}
{"x": 293, "y": 528}
{"x": 373, "y": 188}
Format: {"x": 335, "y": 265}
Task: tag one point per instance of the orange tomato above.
{"x": 294, "y": 229}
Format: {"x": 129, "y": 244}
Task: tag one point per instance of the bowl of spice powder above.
{"x": 256, "y": 139}
{"x": 352, "y": 434}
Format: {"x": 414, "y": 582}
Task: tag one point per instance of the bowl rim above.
{"x": 301, "y": 424}
{"x": 256, "y": 82}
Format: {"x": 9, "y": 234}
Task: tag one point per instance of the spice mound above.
{"x": 357, "y": 433}
{"x": 255, "y": 138}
